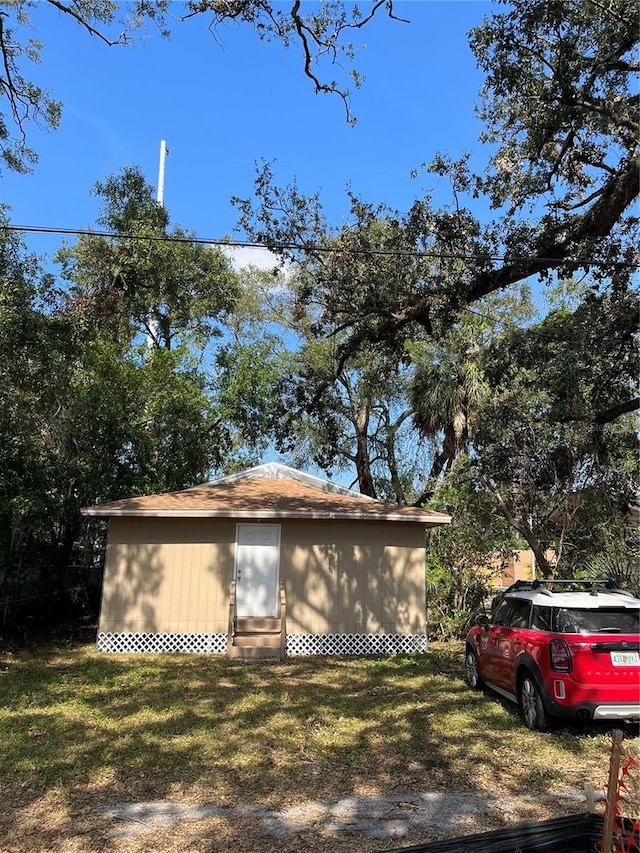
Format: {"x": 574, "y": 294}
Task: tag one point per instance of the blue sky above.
{"x": 225, "y": 101}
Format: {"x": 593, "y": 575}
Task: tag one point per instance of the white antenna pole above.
{"x": 163, "y": 152}
{"x": 152, "y": 337}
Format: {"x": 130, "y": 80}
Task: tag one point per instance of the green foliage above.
{"x": 170, "y": 290}
{"x": 446, "y": 392}
{"x": 554, "y": 427}
{"x": 129, "y": 204}
{"x": 448, "y": 385}
{"x": 86, "y": 421}
{"x": 560, "y": 102}
{"x": 597, "y": 537}
{"x": 25, "y": 101}
{"x": 461, "y": 557}
{"x": 344, "y": 414}
{"x": 453, "y": 597}
{"x": 558, "y": 97}
{"x": 248, "y": 395}
{"x": 585, "y": 359}
{"x": 179, "y": 436}
{"x": 351, "y": 416}
{"x": 619, "y": 562}
{"x": 89, "y": 412}
{"x": 20, "y": 380}
{"x": 385, "y": 277}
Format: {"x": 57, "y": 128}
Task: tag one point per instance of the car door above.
{"x": 510, "y": 642}
{"x": 491, "y": 641}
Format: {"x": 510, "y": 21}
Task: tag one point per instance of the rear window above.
{"x": 541, "y": 619}
{"x": 606, "y": 620}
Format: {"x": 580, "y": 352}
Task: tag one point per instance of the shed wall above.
{"x": 167, "y": 575}
{"x": 341, "y": 577}
{"x": 345, "y": 577}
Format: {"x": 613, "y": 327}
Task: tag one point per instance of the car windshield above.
{"x": 606, "y": 620}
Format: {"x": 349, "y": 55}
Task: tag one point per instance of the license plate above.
{"x": 625, "y": 658}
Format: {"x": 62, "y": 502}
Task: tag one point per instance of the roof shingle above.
{"x": 264, "y": 497}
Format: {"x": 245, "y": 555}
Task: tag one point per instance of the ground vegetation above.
{"x": 267, "y": 757}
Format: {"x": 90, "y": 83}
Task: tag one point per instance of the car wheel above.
{"x": 472, "y": 669}
{"x": 534, "y": 713}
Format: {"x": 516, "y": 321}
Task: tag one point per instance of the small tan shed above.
{"x": 269, "y": 551}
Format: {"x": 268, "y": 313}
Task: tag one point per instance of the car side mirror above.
{"x": 482, "y": 620}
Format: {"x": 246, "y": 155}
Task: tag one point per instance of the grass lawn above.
{"x": 80, "y": 731}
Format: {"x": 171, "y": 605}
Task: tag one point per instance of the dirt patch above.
{"x": 352, "y": 824}
{"x": 395, "y": 816}
{"x": 421, "y": 816}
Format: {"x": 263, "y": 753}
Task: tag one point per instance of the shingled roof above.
{"x": 267, "y": 491}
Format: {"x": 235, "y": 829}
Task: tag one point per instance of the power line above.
{"x": 314, "y": 247}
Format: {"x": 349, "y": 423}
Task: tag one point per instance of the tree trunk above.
{"x": 363, "y": 461}
{"x": 392, "y": 465}
{"x": 522, "y": 528}
{"x": 363, "y": 468}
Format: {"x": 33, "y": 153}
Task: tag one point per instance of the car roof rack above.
{"x": 592, "y": 584}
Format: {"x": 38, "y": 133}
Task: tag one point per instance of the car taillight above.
{"x": 560, "y": 656}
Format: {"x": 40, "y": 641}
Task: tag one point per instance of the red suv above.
{"x": 560, "y": 649}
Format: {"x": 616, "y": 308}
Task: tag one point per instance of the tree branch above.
{"x": 7, "y": 83}
{"x": 62, "y": 7}
{"x": 617, "y": 194}
{"x": 523, "y": 529}
{"x": 615, "y": 412}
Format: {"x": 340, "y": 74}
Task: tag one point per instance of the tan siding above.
{"x": 346, "y": 577}
{"x": 342, "y": 577}
{"x": 166, "y": 575}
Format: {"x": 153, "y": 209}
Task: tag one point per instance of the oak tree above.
{"x": 145, "y": 278}
{"x": 562, "y": 118}
{"x": 556, "y": 433}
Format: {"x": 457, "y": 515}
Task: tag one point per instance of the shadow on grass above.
{"x": 141, "y": 728}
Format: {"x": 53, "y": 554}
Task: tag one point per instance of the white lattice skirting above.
{"x": 355, "y": 644}
{"x": 297, "y": 644}
{"x": 198, "y": 644}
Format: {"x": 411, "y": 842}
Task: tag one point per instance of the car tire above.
{"x": 534, "y": 713}
{"x": 472, "y": 670}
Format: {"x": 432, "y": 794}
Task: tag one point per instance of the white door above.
{"x": 257, "y": 569}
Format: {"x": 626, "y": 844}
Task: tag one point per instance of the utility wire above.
{"x": 313, "y": 247}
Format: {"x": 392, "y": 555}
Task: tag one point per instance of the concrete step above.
{"x": 271, "y": 641}
{"x": 252, "y": 623}
{"x": 263, "y": 653}
{"x": 256, "y": 638}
